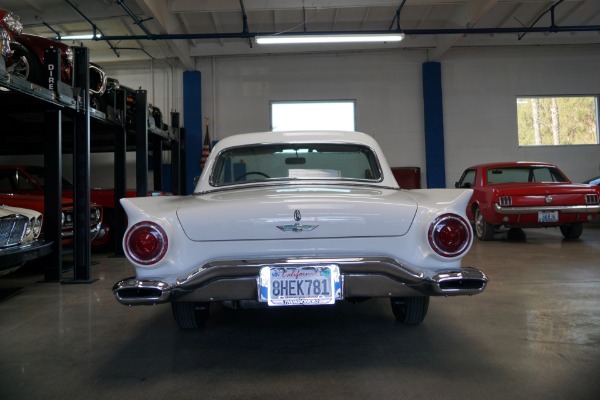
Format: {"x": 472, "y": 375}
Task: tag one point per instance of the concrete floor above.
{"x": 534, "y": 334}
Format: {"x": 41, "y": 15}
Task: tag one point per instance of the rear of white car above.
{"x": 307, "y": 229}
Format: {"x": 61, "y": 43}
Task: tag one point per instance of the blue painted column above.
{"x": 192, "y": 122}
{"x": 433, "y": 113}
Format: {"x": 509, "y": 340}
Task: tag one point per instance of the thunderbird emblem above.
{"x": 297, "y": 227}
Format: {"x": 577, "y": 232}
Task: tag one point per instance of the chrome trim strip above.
{"x": 214, "y": 281}
{"x": 563, "y": 209}
{"x": 94, "y": 231}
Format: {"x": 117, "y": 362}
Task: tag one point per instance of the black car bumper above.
{"x": 18, "y": 255}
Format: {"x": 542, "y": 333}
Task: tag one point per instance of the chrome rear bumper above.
{"x": 361, "y": 277}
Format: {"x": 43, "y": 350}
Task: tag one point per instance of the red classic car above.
{"x": 24, "y": 57}
{"x": 19, "y": 189}
{"x": 31, "y": 182}
{"x": 527, "y": 195}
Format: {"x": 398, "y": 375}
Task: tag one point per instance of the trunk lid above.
{"x": 296, "y": 213}
{"x": 527, "y": 194}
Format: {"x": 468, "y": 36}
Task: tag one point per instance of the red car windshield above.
{"x": 524, "y": 174}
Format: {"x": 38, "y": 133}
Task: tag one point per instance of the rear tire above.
{"x": 24, "y": 64}
{"x": 484, "y": 230}
{"x": 410, "y": 310}
{"x": 572, "y": 231}
{"x": 190, "y": 315}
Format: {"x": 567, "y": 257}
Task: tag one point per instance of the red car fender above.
{"x": 37, "y": 44}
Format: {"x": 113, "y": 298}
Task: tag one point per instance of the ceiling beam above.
{"x": 168, "y": 24}
{"x": 194, "y": 6}
{"x": 466, "y": 16}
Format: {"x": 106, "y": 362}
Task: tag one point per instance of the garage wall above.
{"x": 385, "y": 85}
{"x": 479, "y": 91}
{"x": 480, "y": 87}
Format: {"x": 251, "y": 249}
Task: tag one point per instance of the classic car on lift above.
{"x": 18, "y": 189}
{"x": 24, "y": 57}
{"x": 20, "y": 241}
{"x": 108, "y": 102}
{"x": 527, "y": 195}
{"x": 297, "y": 218}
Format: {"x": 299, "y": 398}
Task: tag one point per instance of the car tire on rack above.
{"x": 410, "y": 310}
{"x": 572, "y": 231}
{"x": 190, "y": 315}
{"x": 24, "y": 64}
{"x": 483, "y": 229}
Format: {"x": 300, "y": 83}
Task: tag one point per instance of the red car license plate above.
{"x": 547, "y": 216}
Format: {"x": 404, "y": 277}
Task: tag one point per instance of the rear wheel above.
{"x": 410, "y": 310}
{"x": 572, "y": 231}
{"x": 24, "y": 64}
{"x": 484, "y": 230}
{"x": 190, "y": 315}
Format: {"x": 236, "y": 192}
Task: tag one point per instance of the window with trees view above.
{"x": 556, "y": 121}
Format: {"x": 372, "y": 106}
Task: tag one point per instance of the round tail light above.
{"x": 146, "y": 243}
{"x": 449, "y": 235}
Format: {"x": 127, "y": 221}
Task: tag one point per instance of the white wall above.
{"x": 386, "y": 86}
{"x": 479, "y": 91}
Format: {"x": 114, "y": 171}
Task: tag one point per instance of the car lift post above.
{"x": 81, "y": 169}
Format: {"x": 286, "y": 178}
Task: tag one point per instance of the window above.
{"x": 554, "y": 121}
{"x": 319, "y": 161}
{"x": 524, "y": 174}
{"x": 312, "y": 115}
{"x": 467, "y": 180}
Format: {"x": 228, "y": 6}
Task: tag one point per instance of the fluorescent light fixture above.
{"x": 329, "y": 38}
{"x": 81, "y": 37}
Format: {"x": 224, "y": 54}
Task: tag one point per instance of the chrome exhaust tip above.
{"x": 134, "y": 292}
{"x": 467, "y": 281}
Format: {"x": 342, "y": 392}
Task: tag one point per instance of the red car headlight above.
{"x": 146, "y": 243}
{"x": 449, "y": 235}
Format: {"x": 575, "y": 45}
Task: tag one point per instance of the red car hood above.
{"x": 32, "y": 201}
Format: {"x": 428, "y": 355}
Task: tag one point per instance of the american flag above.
{"x": 205, "y": 149}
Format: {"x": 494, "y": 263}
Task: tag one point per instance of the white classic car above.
{"x": 297, "y": 218}
{"x": 20, "y": 229}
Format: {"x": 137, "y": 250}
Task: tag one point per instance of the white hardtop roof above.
{"x": 297, "y": 137}
{"x": 294, "y": 137}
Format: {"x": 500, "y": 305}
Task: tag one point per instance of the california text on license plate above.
{"x": 291, "y": 286}
{"x": 547, "y": 216}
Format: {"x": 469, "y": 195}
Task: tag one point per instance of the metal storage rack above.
{"x": 37, "y": 120}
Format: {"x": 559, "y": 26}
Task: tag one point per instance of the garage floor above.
{"x": 534, "y": 334}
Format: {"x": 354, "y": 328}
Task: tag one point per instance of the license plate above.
{"x": 292, "y": 286}
{"x": 547, "y": 216}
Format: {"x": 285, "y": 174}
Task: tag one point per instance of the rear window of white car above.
{"x": 318, "y": 161}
